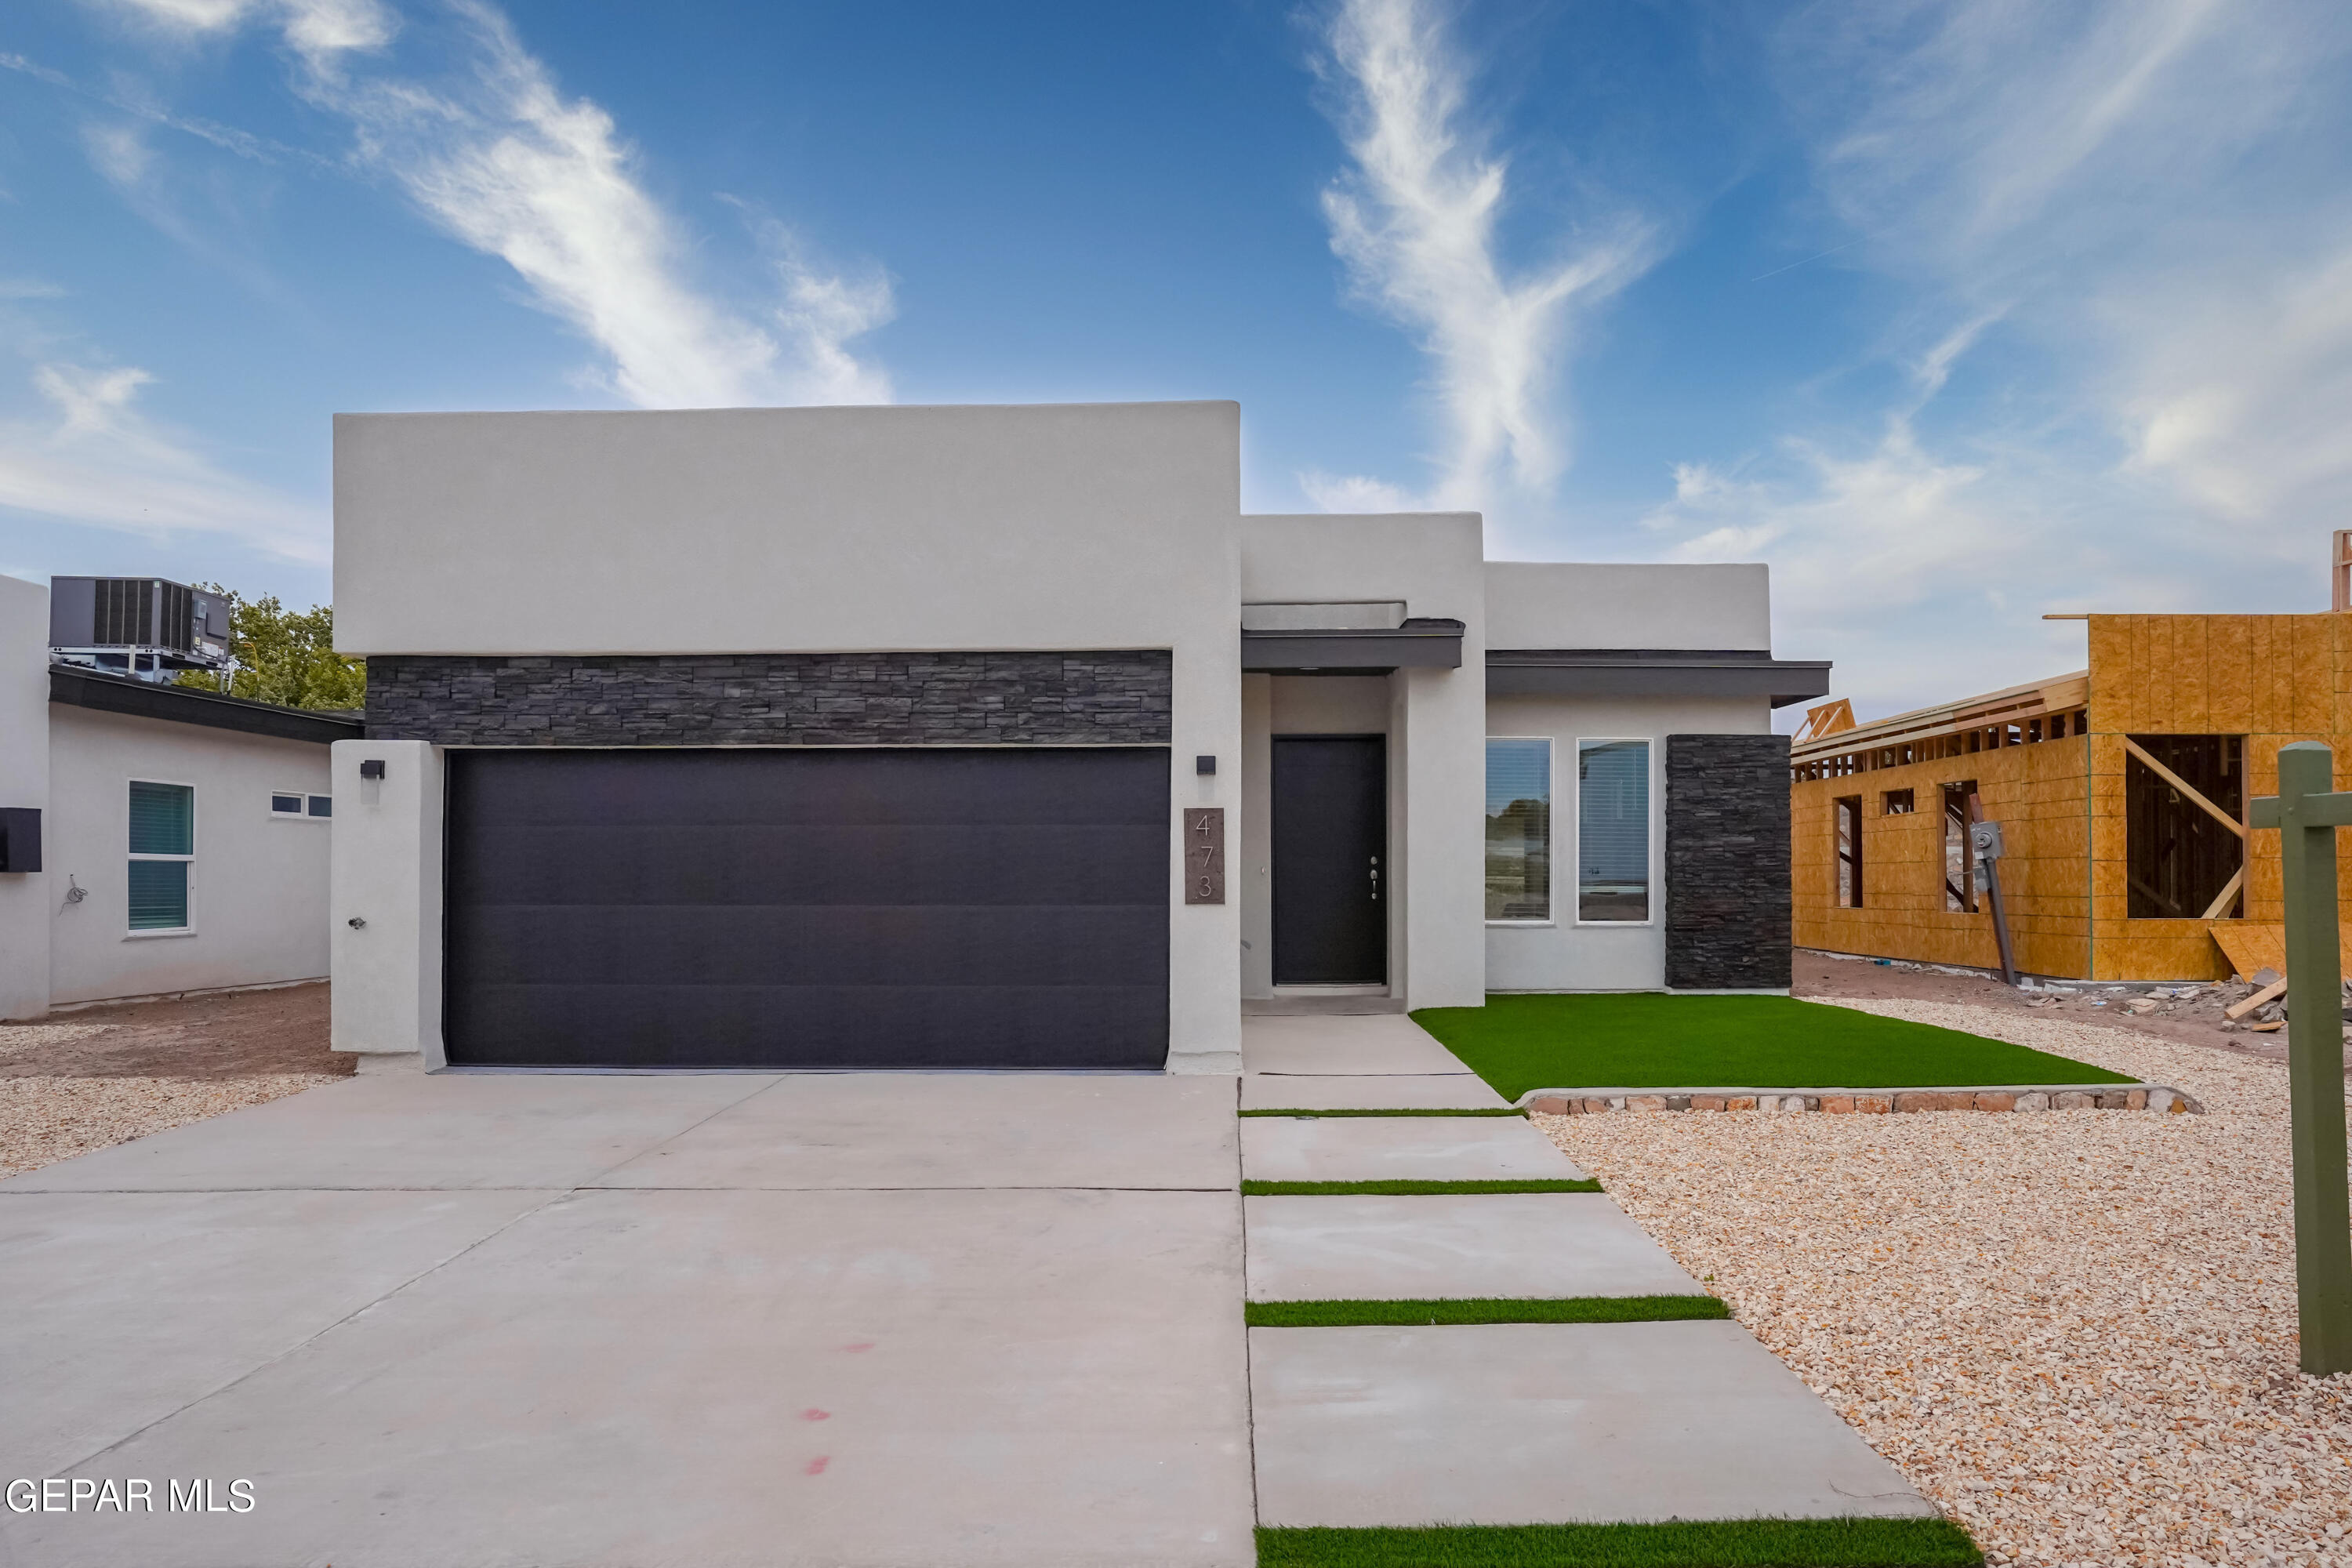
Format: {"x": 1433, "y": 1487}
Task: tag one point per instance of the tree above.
{"x": 283, "y": 655}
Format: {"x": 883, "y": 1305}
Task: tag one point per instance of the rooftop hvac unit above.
{"x": 137, "y": 625}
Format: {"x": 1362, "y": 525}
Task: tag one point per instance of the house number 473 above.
{"x": 1204, "y": 855}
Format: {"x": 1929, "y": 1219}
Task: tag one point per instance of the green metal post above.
{"x": 2314, "y": 981}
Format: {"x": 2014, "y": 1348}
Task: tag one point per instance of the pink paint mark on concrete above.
{"x": 812, "y": 1413}
{"x": 862, "y": 1345}
{"x": 817, "y": 1467}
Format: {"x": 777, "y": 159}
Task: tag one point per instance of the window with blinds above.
{"x": 1613, "y": 831}
{"x": 1518, "y": 829}
{"x": 162, "y": 847}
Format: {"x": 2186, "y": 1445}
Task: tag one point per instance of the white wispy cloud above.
{"x": 91, "y": 456}
{"x": 498, "y": 157}
{"x": 1413, "y": 220}
{"x": 2125, "y": 220}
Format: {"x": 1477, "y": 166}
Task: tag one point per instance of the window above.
{"x": 322, "y": 806}
{"x": 286, "y": 804}
{"x": 1959, "y": 865}
{"x": 290, "y": 803}
{"x": 162, "y": 842}
{"x": 1518, "y": 829}
{"x": 1613, "y": 831}
{"x": 1849, "y": 851}
{"x": 2181, "y": 862}
{"x": 1898, "y": 803}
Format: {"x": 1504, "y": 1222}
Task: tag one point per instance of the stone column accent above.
{"x": 1728, "y": 916}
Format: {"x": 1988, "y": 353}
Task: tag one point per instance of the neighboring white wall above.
{"x": 1531, "y": 605}
{"x": 24, "y": 898}
{"x": 388, "y": 875}
{"x": 1084, "y": 526}
{"x": 1434, "y": 562}
{"x": 258, "y": 889}
{"x": 1563, "y": 955}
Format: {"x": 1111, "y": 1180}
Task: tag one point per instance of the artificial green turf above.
{"x": 1406, "y": 1189}
{"x": 1710, "y": 1543}
{"x": 1480, "y": 1110}
{"x": 1492, "y": 1310}
{"x": 1650, "y": 1041}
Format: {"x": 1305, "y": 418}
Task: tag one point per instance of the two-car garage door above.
{"x": 746, "y": 907}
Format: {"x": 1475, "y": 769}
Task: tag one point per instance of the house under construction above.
{"x": 2121, "y": 793}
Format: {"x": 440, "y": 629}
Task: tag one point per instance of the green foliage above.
{"x": 1640, "y": 1040}
{"x": 1452, "y": 1310}
{"x": 1399, "y": 1187}
{"x": 1697, "y": 1543}
{"x": 285, "y": 657}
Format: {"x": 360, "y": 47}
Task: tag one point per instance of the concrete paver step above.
{"x": 1348, "y": 1047}
{"x": 1408, "y": 1148}
{"x": 1546, "y": 1423}
{"x": 1391, "y": 1091}
{"x": 1514, "y": 1245}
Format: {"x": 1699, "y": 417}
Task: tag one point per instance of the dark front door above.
{"x": 755, "y": 907}
{"x": 1331, "y": 860}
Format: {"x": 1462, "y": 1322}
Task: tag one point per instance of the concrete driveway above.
{"x": 572, "y": 1319}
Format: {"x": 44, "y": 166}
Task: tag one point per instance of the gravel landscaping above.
{"x": 102, "y": 1076}
{"x": 2074, "y": 1330}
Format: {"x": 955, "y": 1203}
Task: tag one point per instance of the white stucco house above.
{"x": 999, "y": 737}
{"x": 153, "y": 839}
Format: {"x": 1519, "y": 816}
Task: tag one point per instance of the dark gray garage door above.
{"x": 923, "y": 908}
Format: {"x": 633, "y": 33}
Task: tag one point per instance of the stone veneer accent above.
{"x": 1117, "y": 698}
{"x": 1728, "y": 916}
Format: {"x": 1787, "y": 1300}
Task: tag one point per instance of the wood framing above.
{"x": 2049, "y": 762}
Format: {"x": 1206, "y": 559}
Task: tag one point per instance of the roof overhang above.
{"x": 1655, "y": 672}
{"x": 90, "y": 688}
{"x": 1421, "y": 643}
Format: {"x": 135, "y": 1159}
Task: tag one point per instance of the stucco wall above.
{"x": 1561, "y": 955}
{"x": 258, "y": 889}
{"x": 1545, "y": 605}
{"x": 1434, "y": 561}
{"x": 25, "y": 899}
{"x": 828, "y": 530}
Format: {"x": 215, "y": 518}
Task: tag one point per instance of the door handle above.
{"x": 1376, "y": 879}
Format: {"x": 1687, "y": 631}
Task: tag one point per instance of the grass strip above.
{"x": 1704, "y": 1544}
{"x": 1477, "y": 1110}
{"x": 1639, "y": 1040}
{"x": 1405, "y": 1189}
{"x": 1448, "y": 1310}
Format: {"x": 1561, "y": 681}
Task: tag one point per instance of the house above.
{"x": 998, "y": 737}
{"x": 2120, "y": 790}
{"x": 153, "y": 839}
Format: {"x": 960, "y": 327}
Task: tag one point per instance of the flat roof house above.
{"x": 153, "y": 839}
{"x": 998, "y": 737}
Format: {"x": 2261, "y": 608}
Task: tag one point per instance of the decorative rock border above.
{"x": 2156, "y": 1097}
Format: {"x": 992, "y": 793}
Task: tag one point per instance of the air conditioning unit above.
{"x": 137, "y": 625}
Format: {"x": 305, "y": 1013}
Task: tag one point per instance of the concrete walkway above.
{"x": 630, "y": 1320}
{"x": 1506, "y": 1423}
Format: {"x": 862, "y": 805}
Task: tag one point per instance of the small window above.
{"x": 286, "y": 804}
{"x": 1959, "y": 862}
{"x": 322, "y": 806}
{"x": 1849, "y": 851}
{"x": 1898, "y": 803}
{"x": 163, "y": 844}
{"x": 1518, "y": 829}
{"x": 1613, "y": 832}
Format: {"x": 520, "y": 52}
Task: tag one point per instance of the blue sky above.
{"x": 1955, "y": 314}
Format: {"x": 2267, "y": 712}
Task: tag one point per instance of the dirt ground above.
{"x": 2191, "y": 1021}
{"x": 243, "y": 1034}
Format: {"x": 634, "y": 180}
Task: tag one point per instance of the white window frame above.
{"x": 189, "y": 860}
{"x": 1651, "y": 828}
{"x": 270, "y": 810}
{"x": 1551, "y": 848}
